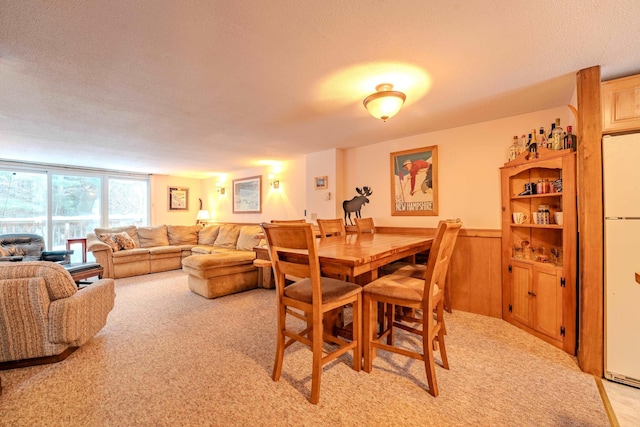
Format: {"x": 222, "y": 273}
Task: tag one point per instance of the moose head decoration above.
{"x": 355, "y": 204}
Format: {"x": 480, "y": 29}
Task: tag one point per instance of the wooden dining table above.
{"x": 358, "y": 257}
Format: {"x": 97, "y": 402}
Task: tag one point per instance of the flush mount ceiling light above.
{"x": 385, "y": 103}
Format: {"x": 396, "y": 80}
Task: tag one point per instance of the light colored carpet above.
{"x": 170, "y": 357}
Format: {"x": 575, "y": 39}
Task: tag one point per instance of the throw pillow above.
{"x": 131, "y": 230}
{"x": 124, "y": 241}
{"x": 250, "y": 236}
{"x": 109, "y": 240}
{"x": 208, "y": 235}
{"x": 3, "y": 252}
{"x": 150, "y": 237}
{"x": 227, "y": 236}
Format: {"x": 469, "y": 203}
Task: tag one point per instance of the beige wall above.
{"x": 159, "y": 188}
{"x": 469, "y": 159}
{"x": 287, "y": 202}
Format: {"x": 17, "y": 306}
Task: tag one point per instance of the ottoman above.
{"x": 221, "y": 273}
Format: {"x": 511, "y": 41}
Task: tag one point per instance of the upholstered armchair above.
{"x": 28, "y": 247}
{"x": 43, "y": 315}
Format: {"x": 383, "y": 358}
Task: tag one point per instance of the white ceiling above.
{"x": 191, "y": 87}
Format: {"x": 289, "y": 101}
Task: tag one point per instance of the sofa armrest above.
{"x": 94, "y": 244}
{"x": 25, "y": 324}
{"x": 75, "y": 320}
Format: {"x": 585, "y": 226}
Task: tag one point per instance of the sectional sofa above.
{"x": 218, "y": 258}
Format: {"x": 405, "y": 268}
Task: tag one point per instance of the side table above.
{"x": 83, "y": 243}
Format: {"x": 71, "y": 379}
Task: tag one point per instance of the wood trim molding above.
{"x": 432, "y": 231}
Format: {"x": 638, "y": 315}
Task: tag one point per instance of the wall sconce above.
{"x": 203, "y": 215}
{"x": 385, "y": 103}
{"x": 220, "y": 188}
{"x": 273, "y": 181}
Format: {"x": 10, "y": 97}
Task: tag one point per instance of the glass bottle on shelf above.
{"x": 514, "y": 149}
{"x": 542, "y": 139}
{"x": 570, "y": 140}
{"x": 557, "y": 136}
{"x": 533, "y": 146}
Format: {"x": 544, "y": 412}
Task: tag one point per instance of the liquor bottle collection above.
{"x": 556, "y": 139}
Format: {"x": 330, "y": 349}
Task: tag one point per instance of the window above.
{"x": 23, "y": 202}
{"x": 62, "y": 203}
{"x": 128, "y": 202}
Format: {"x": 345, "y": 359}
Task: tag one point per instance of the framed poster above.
{"x": 320, "y": 182}
{"x": 414, "y": 182}
{"x": 247, "y": 195}
{"x": 178, "y": 199}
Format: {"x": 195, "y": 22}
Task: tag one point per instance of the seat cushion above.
{"x": 406, "y": 269}
{"x": 398, "y": 286}
{"x": 332, "y": 289}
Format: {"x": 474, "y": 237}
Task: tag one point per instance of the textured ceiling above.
{"x": 190, "y": 87}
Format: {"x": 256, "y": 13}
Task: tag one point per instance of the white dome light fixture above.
{"x": 385, "y": 103}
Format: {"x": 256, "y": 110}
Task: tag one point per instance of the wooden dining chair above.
{"x": 426, "y": 294}
{"x": 314, "y": 296}
{"x": 331, "y": 227}
{"x": 417, "y": 270}
{"x": 365, "y": 225}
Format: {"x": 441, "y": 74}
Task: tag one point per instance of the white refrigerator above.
{"x": 621, "y": 174}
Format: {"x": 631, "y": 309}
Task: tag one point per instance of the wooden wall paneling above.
{"x": 475, "y": 273}
{"x": 459, "y": 275}
{"x": 590, "y": 228}
{"x": 495, "y": 278}
{"x": 479, "y": 276}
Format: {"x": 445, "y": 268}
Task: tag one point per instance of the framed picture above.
{"x": 247, "y": 195}
{"x": 320, "y": 182}
{"x": 178, "y": 199}
{"x": 414, "y": 182}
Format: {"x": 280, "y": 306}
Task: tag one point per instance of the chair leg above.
{"x": 369, "y": 316}
{"x": 443, "y": 351}
{"x": 429, "y": 363}
{"x": 390, "y": 311}
{"x": 277, "y": 364}
{"x": 316, "y": 369}
{"x": 357, "y": 333}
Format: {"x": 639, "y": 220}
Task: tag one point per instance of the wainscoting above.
{"x": 475, "y": 277}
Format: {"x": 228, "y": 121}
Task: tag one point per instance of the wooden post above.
{"x": 590, "y": 228}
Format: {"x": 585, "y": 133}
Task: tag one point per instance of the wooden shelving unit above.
{"x": 539, "y": 288}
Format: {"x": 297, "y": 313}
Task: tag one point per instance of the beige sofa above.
{"x": 165, "y": 247}
{"x": 43, "y": 315}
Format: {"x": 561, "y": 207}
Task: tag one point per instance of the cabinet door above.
{"x": 621, "y": 104}
{"x": 520, "y": 293}
{"x": 547, "y": 301}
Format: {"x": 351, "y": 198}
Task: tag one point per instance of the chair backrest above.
{"x": 58, "y": 280}
{"x": 439, "y": 259}
{"x": 288, "y": 221}
{"x": 28, "y": 245}
{"x": 331, "y": 227}
{"x": 301, "y": 238}
{"x": 365, "y": 225}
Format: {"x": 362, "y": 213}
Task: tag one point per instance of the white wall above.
{"x": 324, "y": 203}
{"x": 469, "y": 159}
